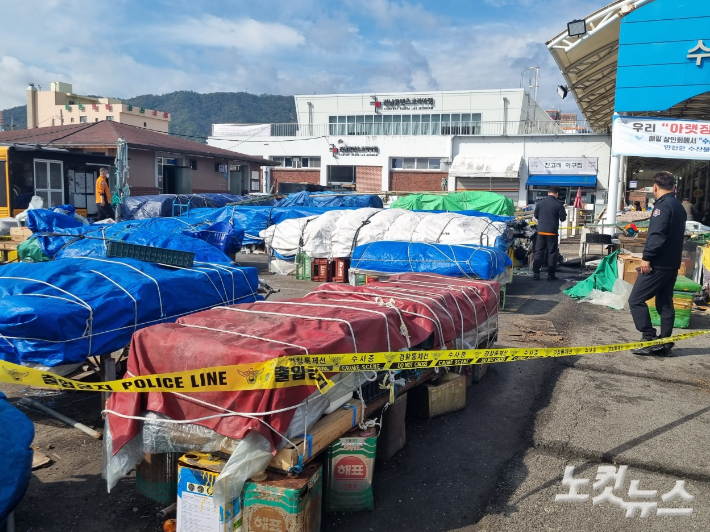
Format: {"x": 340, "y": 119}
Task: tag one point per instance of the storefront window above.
{"x": 418, "y": 163}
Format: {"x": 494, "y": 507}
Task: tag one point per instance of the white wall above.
{"x": 539, "y": 146}
{"x": 487, "y": 102}
{"x": 390, "y": 146}
{"x": 446, "y": 147}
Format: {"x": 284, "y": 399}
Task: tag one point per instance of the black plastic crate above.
{"x": 595, "y": 238}
{"x": 168, "y": 257}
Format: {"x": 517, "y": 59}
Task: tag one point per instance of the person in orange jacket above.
{"x": 103, "y": 196}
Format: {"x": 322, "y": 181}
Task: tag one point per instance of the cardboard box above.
{"x": 322, "y": 434}
{"x": 157, "y": 477}
{"x": 393, "y": 434}
{"x": 350, "y": 465}
{"x": 284, "y": 504}
{"x": 448, "y": 395}
{"x": 627, "y": 268}
{"x": 197, "y": 473}
{"x": 20, "y": 234}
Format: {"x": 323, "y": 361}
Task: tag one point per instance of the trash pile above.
{"x": 611, "y": 284}
{"x": 227, "y": 440}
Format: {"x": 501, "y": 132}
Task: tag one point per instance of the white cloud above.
{"x": 244, "y": 34}
{"x": 280, "y": 47}
{"x": 390, "y": 13}
{"x": 504, "y": 3}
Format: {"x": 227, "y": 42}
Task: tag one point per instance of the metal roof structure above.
{"x": 588, "y": 62}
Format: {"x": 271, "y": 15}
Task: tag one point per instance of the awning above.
{"x": 482, "y": 166}
{"x": 563, "y": 180}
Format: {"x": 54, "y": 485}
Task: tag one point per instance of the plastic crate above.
{"x": 322, "y": 270}
{"x": 341, "y": 267}
{"x": 595, "y": 238}
{"x": 168, "y": 257}
{"x": 304, "y": 267}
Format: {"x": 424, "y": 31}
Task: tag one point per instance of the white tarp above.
{"x": 337, "y": 233}
{"x": 484, "y": 166}
{"x": 666, "y": 138}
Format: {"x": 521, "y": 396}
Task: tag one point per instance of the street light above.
{"x": 562, "y": 90}
{"x": 577, "y": 28}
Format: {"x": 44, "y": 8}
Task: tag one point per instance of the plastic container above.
{"x": 322, "y": 270}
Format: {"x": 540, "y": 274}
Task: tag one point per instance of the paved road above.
{"x": 495, "y": 466}
{"x": 498, "y": 465}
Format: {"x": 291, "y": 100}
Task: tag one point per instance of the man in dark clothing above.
{"x": 659, "y": 268}
{"x": 549, "y": 212}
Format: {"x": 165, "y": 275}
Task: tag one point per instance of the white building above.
{"x": 498, "y": 140}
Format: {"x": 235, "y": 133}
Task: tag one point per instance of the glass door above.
{"x": 49, "y": 182}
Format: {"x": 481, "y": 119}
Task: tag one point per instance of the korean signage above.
{"x": 402, "y": 104}
{"x": 699, "y": 52}
{"x": 354, "y": 150}
{"x": 563, "y": 165}
{"x": 660, "y": 137}
{"x": 664, "y": 56}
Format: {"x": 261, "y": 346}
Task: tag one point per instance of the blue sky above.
{"x": 125, "y": 48}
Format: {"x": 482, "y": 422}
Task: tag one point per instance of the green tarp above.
{"x": 30, "y": 251}
{"x": 474, "y": 200}
{"x": 683, "y": 284}
{"x": 602, "y": 279}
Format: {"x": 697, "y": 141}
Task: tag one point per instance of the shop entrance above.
{"x": 176, "y": 180}
{"x": 341, "y": 176}
{"x": 567, "y": 194}
{"x": 239, "y": 180}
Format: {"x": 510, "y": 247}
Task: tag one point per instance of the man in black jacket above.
{"x": 549, "y": 212}
{"x": 659, "y": 268}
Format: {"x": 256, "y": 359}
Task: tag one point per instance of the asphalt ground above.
{"x": 495, "y": 466}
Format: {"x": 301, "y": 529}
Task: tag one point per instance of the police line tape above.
{"x": 300, "y": 370}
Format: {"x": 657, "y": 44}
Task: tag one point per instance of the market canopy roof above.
{"x": 563, "y": 180}
{"x": 483, "y": 166}
{"x": 590, "y": 63}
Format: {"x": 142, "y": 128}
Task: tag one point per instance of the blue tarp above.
{"x": 15, "y": 439}
{"x": 166, "y": 205}
{"x": 455, "y": 261}
{"x": 60, "y": 236}
{"x": 330, "y": 199}
{"x": 60, "y": 312}
{"x": 256, "y": 219}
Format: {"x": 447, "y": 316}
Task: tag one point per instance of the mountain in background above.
{"x": 16, "y": 116}
{"x": 192, "y": 114}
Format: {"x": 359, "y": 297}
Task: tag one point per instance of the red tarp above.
{"x": 444, "y": 306}
{"x": 249, "y": 333}
{"x": 315, "y": 324}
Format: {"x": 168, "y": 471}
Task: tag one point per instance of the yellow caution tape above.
{"x": 276, "y": 373}
{"x": 309, "y": 370}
